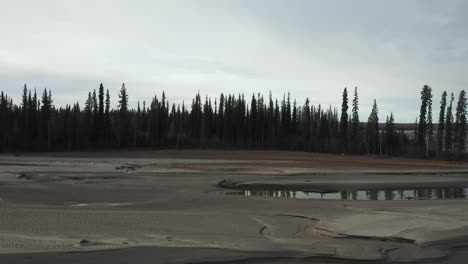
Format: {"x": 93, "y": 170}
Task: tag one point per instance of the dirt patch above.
{"x": 275, "y": 159}
{"x": 25, "y": 176}
{"x": 128, "y": 167}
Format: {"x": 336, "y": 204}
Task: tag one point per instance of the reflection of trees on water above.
{"x": 372, "y": 195}
{"x": 389, "y": 195}
{"x": 417, "y": 194}
{"x": 344, "y": 195}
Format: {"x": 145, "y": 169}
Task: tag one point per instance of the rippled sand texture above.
{"x": 173, "y": 207}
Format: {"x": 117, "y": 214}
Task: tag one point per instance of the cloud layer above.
{"x": 311, "y": 48}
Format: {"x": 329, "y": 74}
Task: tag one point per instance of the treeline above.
{"x": 229, "y": 122}
{"x": 448, "y": 139}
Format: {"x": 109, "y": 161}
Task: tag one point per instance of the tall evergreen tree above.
{"x": 424, "y": 118}
{"x": 294, "y": 119}
{"x": 220, "y": 122}
{"x": 25, "y": 117}
{"x": 355, "y": 139}
{"x": 252, "y": 122}
{"x": 344, "y": 122}
{"x": 24, "y": 103}
{"x": 45, "y": 114}
{"x": 88, "y": 126}
{"x": 430, "y": 127}
{"x": 34, "y": 118}
{"x": 390, "y": 135}
{"x": 372, "y": 130}
{"x": 196, "y": 118}
{"x": 449, "y": 133}
{"x": 124, "y": 121}
{"x": 441, "y": 124}
{"x": 460, "y": 124}
{"x": 107, "y": 120}
{"x": 100, "y": 117}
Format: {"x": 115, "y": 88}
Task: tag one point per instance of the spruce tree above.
{"x": 88, "y": 111}
{"x": 422, "y": 125}
{"x": 100, "y": 117}
{"x": 276, "y": 123}
{"x": 107, "y": 121}
{"x": 430, "y": 128}
{"x": 390, "y": 135}
{"x": 95, "y": 129}
{"x": 24, "y": 100}
{"x": 441, "y": 125}
{"x": 123, "y": 116}
{"x": 448, "y": 133}
{"x": 306, "y": 125}
{"x": 25, "y": 118}
{"x": 252, "y": 122}
{"x": 460, "y": 124}
{"x": 354, "y": 136}
{"x": 196, "y": 117}
{"x": 45, "y": 115}
{"x": 220, "y": 121}
{"x": 372, "y": 130}
{"x": 344, "y": 122}
{"x": 294, "y": 119}
{"x": 271, "y": 121}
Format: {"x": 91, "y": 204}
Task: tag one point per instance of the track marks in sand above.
{"x": 333, "y": 234}
{"x": 282, "y": 226}
{"x": 52, "y": 177}
{"x": 29, "y": 243}
{"x": 101, "y": 204}
{"x": 395, "y": 249}
{"x": 304, "y": 232}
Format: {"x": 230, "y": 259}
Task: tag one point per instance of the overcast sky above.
{"x": 388, "y": 49}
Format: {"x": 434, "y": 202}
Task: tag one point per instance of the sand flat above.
{"x": 131, "y": 206}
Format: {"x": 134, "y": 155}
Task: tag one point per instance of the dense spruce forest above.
{"x": 228, "y": 122}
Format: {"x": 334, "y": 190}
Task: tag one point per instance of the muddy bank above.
{"x": 346, "y": 181}
{"x": 74, "y": 210}
{"x": 150, "y": 255}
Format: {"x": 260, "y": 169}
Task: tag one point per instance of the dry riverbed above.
{"x": 176, "y": 207}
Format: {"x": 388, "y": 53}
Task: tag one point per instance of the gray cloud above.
{"x": 389, "y": 49}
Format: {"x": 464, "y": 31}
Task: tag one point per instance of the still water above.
{"x": 409, "y": 194}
